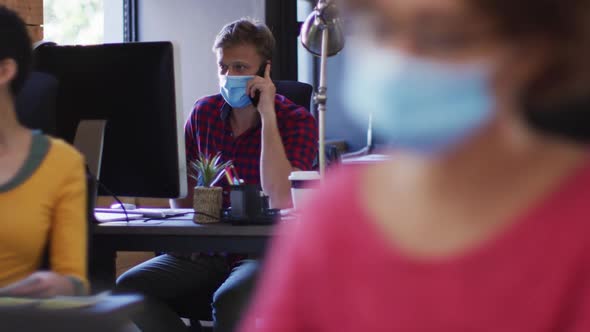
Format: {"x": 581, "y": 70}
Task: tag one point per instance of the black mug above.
{"x": 245, "y": 201}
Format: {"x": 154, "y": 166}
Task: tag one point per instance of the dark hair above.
{"x": 15, "y": 44}
{"x": 555, "y": 98}
{"x": 246, "y": 31}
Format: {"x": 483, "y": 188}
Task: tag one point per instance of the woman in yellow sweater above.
{"x": 42, "y": 190}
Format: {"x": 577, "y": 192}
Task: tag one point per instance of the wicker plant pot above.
{"x": 207, "y": 203}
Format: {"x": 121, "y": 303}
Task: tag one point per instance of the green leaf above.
{"x": 206, "y": 170}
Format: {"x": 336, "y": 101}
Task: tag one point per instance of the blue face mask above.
{"x": 233, "y": 90}
{"x": 417, "y": 105}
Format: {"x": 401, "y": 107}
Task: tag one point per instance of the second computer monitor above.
{"x": 132, "y": 87}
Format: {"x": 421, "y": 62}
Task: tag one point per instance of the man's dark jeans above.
{"x": 192, "y": 288}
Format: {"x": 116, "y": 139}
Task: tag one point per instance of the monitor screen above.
{"x": 132, "y": 87}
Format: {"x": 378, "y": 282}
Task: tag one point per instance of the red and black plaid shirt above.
{"x": 208, "y": 130}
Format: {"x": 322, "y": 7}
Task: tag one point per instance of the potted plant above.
{"x": 207, "y": 199}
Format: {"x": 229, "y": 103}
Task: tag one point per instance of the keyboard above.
{"x": 147, "y": 212}
{"x": 109, "y": 216}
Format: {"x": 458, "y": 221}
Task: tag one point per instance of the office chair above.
{"x": 35, "y": 104}
{"x": 298, "y": 92}
{"x": 301, "y": 94}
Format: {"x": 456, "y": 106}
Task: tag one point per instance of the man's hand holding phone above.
{"x": 263, "y": 89}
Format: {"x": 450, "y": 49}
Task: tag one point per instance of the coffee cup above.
{"x": 303, "y": 184}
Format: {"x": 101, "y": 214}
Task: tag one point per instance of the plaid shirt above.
{"x": 208, "y": 130}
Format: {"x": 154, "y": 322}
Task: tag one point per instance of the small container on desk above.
{"x": 248, "y": 206}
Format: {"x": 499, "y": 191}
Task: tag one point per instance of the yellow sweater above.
{"x": 44, "y": 205}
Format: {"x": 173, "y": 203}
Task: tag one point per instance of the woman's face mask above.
{"x": 419, "y": 105}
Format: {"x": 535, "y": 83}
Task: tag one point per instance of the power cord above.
{"x": 115, "y": 198}
{"x": 169, "y": 217}
{"x": 108, "y": 191}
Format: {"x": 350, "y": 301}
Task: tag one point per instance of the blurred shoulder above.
{"x": 64, "y": 152}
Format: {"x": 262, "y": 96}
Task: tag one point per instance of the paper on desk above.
{"x": 54, "y": 303}
{"x": 72, "y": 302}
{"x": 133, "y": 222}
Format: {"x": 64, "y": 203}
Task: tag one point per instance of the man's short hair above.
{"x": 15, "y": 44}
{"x": 246, "y": 31}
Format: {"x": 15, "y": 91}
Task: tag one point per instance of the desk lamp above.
{"x": 322, "y": 36}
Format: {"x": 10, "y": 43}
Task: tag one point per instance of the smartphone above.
{"x": 256, "y": 97}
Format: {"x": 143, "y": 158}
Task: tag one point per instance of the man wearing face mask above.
{"x": 266, "y": 136}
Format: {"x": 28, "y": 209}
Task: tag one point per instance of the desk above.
{"x": 179, "y": 234}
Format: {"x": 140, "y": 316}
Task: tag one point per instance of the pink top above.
{"x": 534, "y": 276}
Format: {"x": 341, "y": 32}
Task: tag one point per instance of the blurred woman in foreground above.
{"x": 42, "y": 190}
{"x": 481, "y": 219}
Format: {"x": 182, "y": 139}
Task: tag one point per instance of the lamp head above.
{"x": 324, "y": 16}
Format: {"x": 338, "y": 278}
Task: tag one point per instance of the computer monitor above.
{"x": 132, "y": 87}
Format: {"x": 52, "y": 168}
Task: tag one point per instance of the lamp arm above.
{"x": 321, "y": 98}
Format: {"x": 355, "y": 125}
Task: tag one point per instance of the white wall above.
{"x": 113, "y": 21}
{"x": 192, "y": 26}
{"x": 304, "y": 58}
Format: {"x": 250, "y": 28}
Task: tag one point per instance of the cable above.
{"x": 93, "y": 177}
{"x": 108, "y": 191}
{"x": 170, "y": 217}
{"x": 115, "y": 198}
